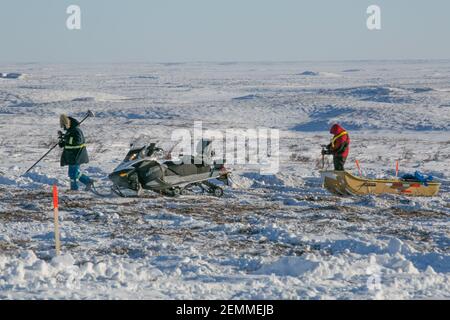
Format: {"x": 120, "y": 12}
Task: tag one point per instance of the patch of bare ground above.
{"x": 22, "y": 195}
{"x": 7, "y": 247}
{"x": 13, "y": 246}
{"x": 67, "y": 204}
{"x": 295, "y": 157}
{"x": 405, "y": 233}
{"x": 22, "y": 216}
{"x": 399, "y": 212}
{"x": 221, "y": 214}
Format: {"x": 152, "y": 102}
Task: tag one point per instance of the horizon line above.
{"x": 231, "y": 61}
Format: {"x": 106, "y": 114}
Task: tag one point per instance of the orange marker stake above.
{"x": 396, "y": 169}
{"x": 56, "y": 220}
{"x": 359, "y": 168}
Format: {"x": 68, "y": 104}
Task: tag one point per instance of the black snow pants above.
{"x": 339, "y": 162}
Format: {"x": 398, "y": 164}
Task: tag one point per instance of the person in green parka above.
{"x": 75, "y": 153}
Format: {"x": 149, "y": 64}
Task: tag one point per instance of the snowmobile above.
{"x": 142, "y": 169}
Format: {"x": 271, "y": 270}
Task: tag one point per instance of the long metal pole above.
{"x": 89, "y": 114}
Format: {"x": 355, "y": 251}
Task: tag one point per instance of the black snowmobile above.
{"x": 142, "y": 169}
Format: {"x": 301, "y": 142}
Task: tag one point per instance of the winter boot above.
{"x": 74, "y": 185}
{"x": 87, "y": 181}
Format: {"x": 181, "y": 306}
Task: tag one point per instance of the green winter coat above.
{"x": 75, "y": 152}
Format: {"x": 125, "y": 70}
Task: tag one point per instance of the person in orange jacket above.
{"x": 339, "y": 146}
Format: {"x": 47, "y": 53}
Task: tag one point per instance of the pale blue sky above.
{"x": 225, "y": 30}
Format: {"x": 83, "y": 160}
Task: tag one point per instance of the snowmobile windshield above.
{"x": 133, "y": 154}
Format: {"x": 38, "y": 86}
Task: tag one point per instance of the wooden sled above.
{"x": 344, "y": 183}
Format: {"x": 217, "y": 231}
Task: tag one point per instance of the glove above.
{"x": 61, "y": 138}
{"x": 326, "y": 149}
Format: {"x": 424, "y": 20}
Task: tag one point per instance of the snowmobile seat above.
{"x": 185, "y": 169}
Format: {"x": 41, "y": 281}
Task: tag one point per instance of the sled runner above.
{"x": 344, "y": 183}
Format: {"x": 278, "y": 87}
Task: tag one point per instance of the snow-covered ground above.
{"x": 269, "y": 237}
